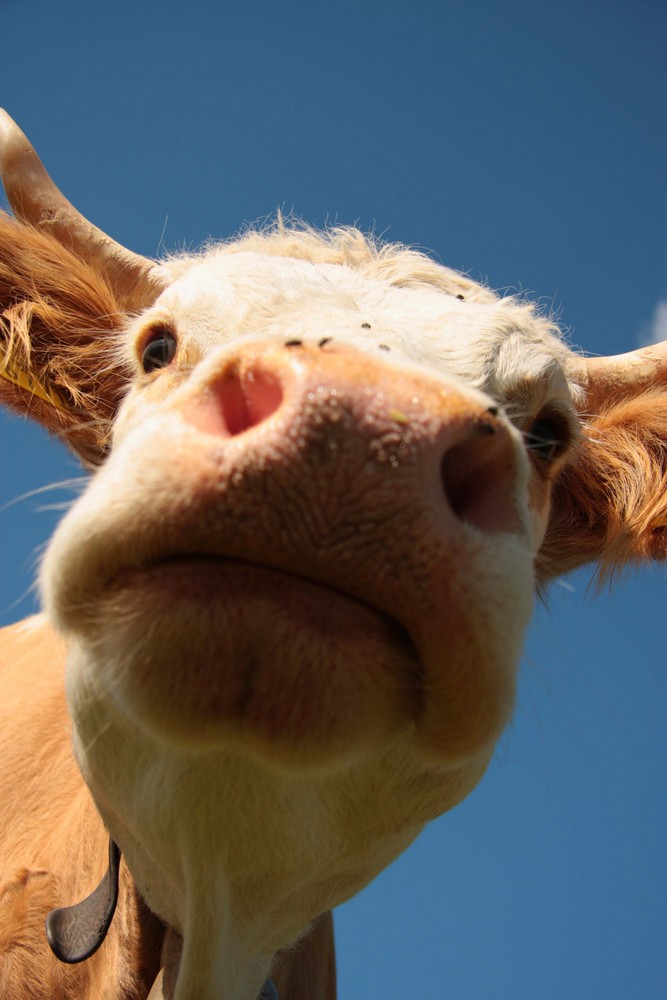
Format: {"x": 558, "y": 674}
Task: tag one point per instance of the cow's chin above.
{"x": 206, "y": 653}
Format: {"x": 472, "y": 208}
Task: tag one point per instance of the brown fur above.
{"x": 610, "y": 504}
{"x": 52, "y": 843}
{"x": 57, "y": 315}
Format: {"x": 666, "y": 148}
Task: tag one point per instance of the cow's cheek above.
{"x": 470, "y": 646}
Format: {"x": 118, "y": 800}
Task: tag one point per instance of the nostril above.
{"x": 237, "y": 400}
{"x": 478, "y": 477}
{"x": 249, "y": 399}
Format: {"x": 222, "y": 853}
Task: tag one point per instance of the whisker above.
{"x": 64, "y": 484}
{"x": 47, "y": 508}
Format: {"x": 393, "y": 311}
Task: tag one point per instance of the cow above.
{"x": 283, "y": 622}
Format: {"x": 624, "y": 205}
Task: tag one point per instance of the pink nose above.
{"x": 329, "y": 399}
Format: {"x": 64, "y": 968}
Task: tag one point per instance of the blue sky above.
{"x": 524, "y": 143}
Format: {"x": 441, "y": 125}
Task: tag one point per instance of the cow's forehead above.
{"x": 497, "y": 344}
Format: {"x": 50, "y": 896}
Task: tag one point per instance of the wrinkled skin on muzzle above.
{"x": 302, "y": 554}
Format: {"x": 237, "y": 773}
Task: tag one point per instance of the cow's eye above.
{"x": 159, "y": 350}
{"x": 548, "y": 437}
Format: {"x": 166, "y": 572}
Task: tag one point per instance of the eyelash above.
{"x": 548, "y": 437}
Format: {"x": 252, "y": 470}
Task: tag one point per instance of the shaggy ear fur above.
{"x": 57, "y": 320}
{"x": 610, "y": 505}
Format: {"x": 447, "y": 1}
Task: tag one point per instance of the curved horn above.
{"x": 34, "y": 198}
{"x": 622, "y": 374}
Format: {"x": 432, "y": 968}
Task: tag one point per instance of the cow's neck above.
{"x": 159, "y": 990}
{"x": 204, "y": 968}
{"x": 212, "y": 959}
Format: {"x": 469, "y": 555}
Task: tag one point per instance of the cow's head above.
{"x": 331, "y": 476}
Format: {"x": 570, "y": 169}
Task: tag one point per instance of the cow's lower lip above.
{"x": 200, "y": 561}
{"x": 182, "y": 564}
{"x": 218, "y": 650}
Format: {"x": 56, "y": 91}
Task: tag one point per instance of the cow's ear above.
{"x": 65, "y": 289}
{"x": 610, "y": 503}
{"x": 58, "y": 317}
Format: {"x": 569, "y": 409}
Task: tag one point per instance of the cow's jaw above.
{"x": 237, "y": 860}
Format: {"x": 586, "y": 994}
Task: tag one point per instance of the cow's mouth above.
{"x": 219, "y": 650}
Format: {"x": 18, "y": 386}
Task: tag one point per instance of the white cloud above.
{"x": 659, "y": 326}
{"x": 654, "y": 330}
